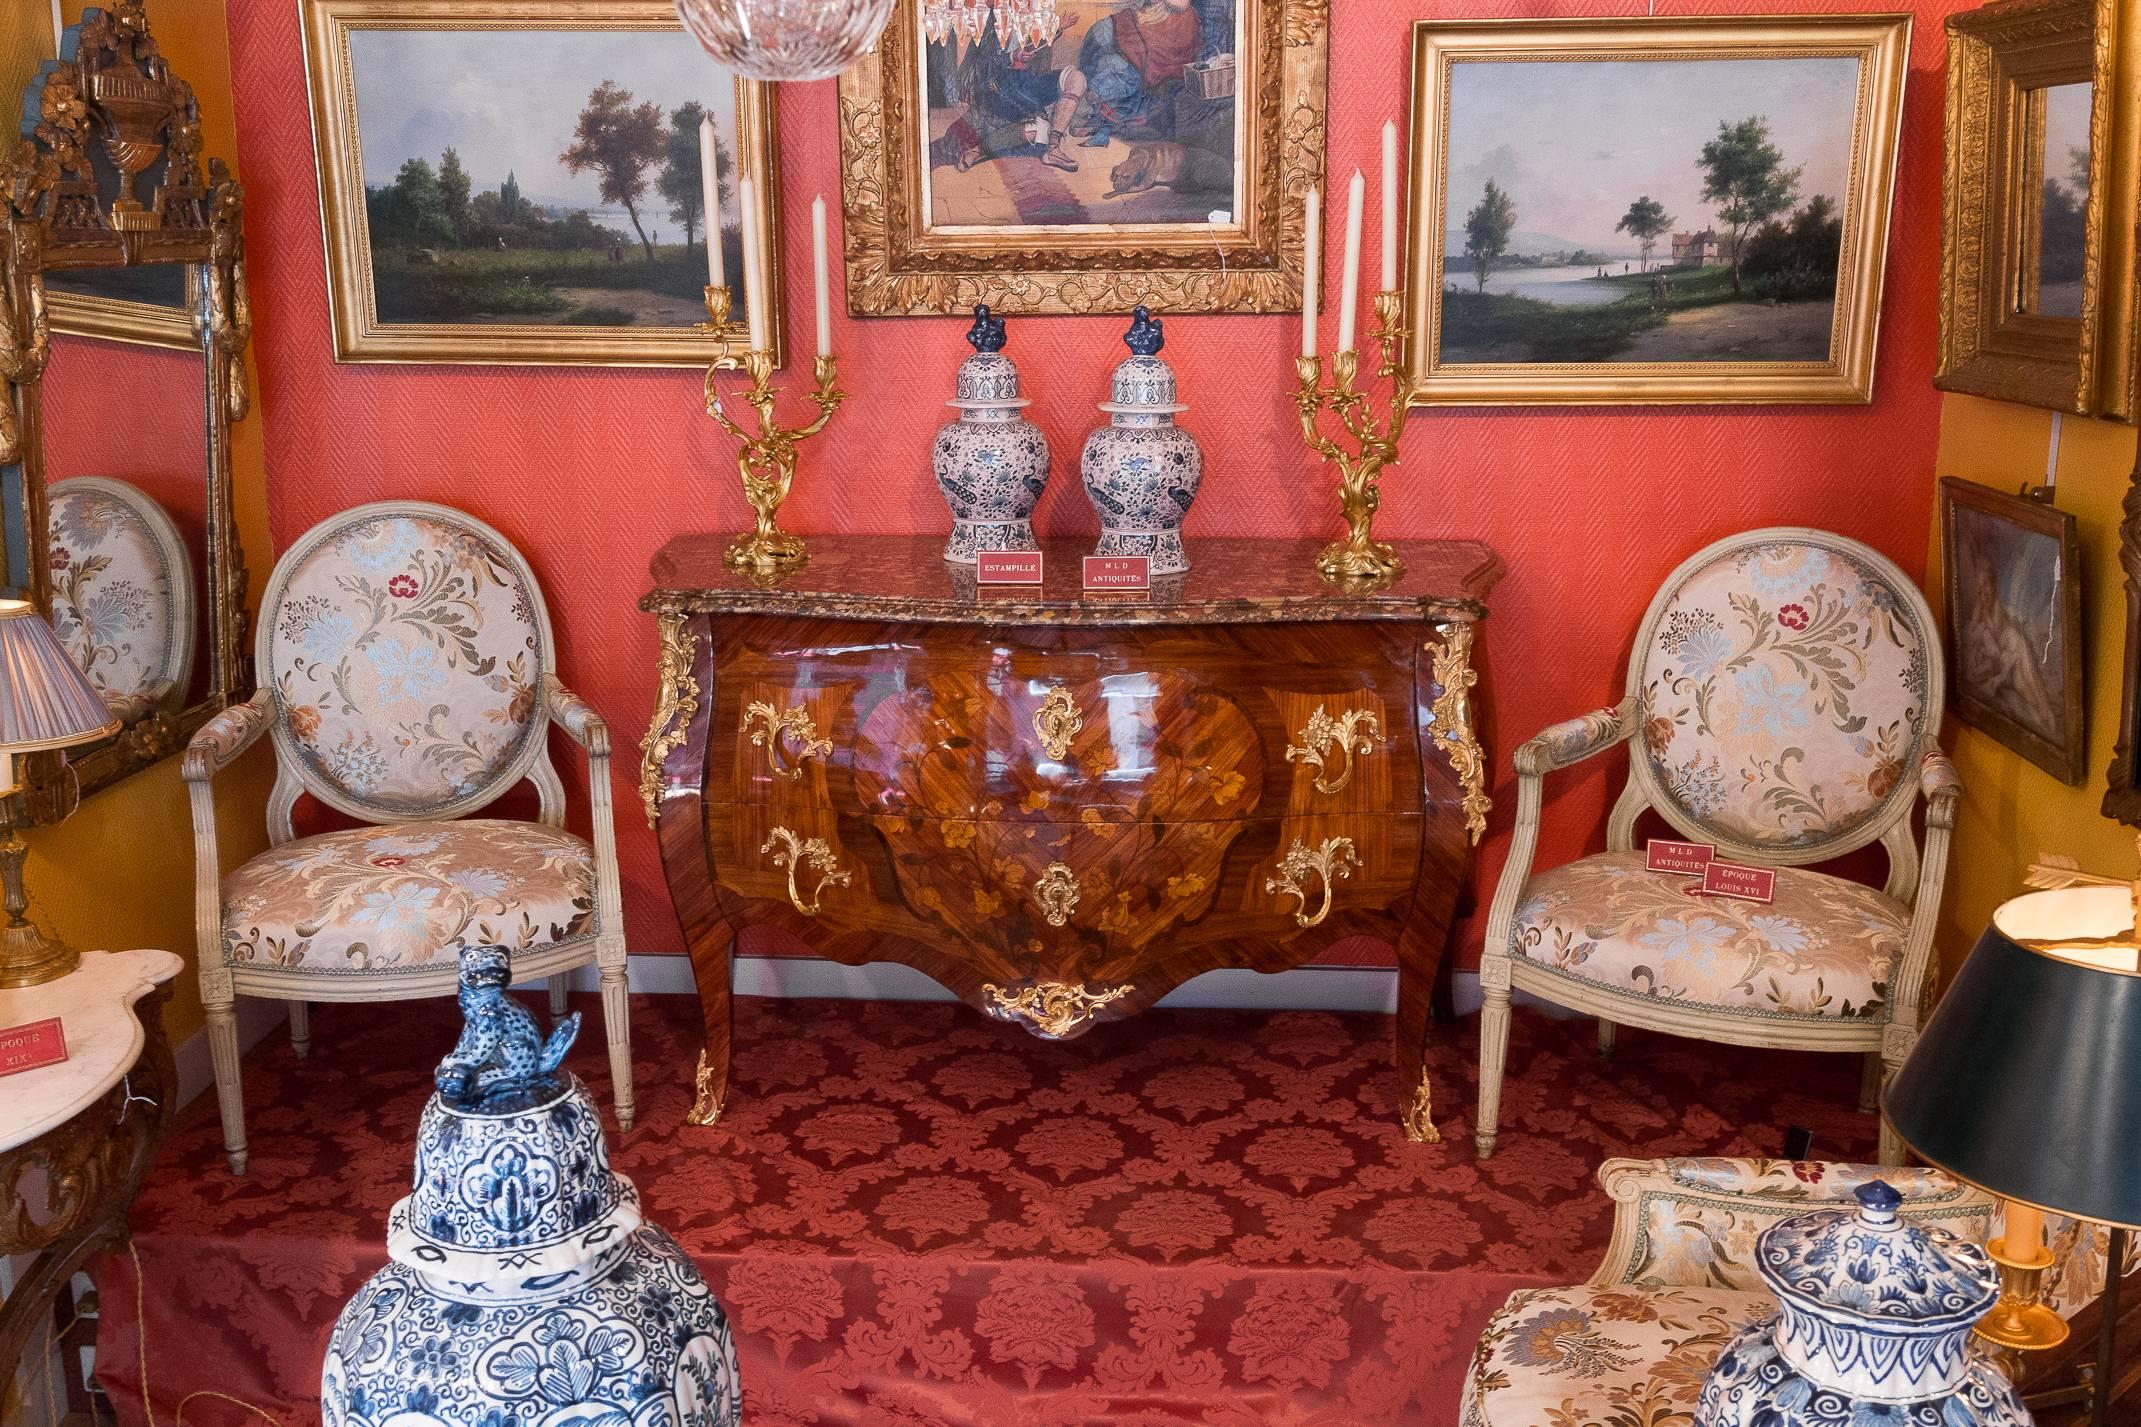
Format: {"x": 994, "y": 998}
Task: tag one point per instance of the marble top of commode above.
{"x": 94, "y": 1003}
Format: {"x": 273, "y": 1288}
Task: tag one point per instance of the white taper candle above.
{"x": 710, "y": 202}
{"x": 1349, "y": 293}
{"x": 820, "y": 276}
{"x": 1390, "y": 206}
{"x": 1311, "y": 267}
{"x": 754, "y": 297}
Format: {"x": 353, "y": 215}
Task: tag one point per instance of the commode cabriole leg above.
{"x": 300, "y": 1028}
{"x": 1493, "y": 1047}
{"x": 559, "y": 984}
{"x": 219, "y": 1003}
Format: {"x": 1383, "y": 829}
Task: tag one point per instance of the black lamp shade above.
{"x": 2026, "y": 1081}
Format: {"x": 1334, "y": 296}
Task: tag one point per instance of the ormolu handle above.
{"x": 1057, "y": 893}
{"x": 791, "y": 852}
{"x": 768, "y": 726}
{"x": 1330, "y": 862}
{"x": 1355, "y": 732}
{"x": 1057, "y": 721}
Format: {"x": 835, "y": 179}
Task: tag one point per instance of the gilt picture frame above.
{"x": 1718, "y": 236}
{"x": 1154, "y": 155}
{"x": 2012, "y": 617}
{"x": 529, "y": 211}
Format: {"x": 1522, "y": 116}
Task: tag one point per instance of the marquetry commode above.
{"x": 1062, "y": 806}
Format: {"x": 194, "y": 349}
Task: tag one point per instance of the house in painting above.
{"x": 1698, "y": 250}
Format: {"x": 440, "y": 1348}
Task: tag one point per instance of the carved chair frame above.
{"x": 222, "y": 740}
{"x": 55, "y": 218}
{"x": 1916, "y": 877}
{"x": 178, "y": 651}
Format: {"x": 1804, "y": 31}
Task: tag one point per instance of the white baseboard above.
{"x": 196, "y": 1068}
{"x": 1305, "y": 988}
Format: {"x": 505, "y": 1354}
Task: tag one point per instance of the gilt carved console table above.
{"x": 1062, "y": 806}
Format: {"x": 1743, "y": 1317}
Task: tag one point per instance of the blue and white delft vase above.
{"x": 992, "y": 463}
{"x": 1874, "y": 1328}
{"x": 1141, "y": 470}
{"x": 523, "y": 1287}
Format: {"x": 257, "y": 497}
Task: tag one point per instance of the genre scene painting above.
{"x": 557, "y": 183}
{"x": 1080, "y": 112}
{"x": 1672, "y": 210}
{"x": 2013, "y": 608}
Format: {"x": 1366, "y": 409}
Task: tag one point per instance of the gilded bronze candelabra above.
{"x": 766, "y": 460}
{"x": 1359, "y": 560}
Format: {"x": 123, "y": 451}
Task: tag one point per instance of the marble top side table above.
{"x": 76, "y": 1138}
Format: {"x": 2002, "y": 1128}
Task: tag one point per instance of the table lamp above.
{"x": 2026, "y": 1082}
{"x": 45, "y": 702}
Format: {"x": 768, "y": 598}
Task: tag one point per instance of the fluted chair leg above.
{"x": 230, "y": 1097}
{"x": 1870, "y": 1083}
{"x": 1609, "y": 1038}
{"x": 300, "y": 1028}
{"x": 558, "y": 986}
{"x": 1493, "y": 1052}
{"x": 617, "y": 1025}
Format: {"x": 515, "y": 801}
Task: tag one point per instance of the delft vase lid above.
{"x": 987, "y": 381}
{"x": 1143, "y": 384}
{"x": 1869, "y": 1298}
{"x": 513, "y": 1188}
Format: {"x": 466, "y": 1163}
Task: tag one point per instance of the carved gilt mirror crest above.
{"x": 115, "y": 498}
{"x": 2037, "y": 254}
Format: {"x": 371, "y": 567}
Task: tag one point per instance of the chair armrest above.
{"x": 220, "y": 740}
{"x": 1692, "y": 1222}
{"x": 1573, "y": 740}
{"x": 581, "y": 723}
{"x": 1940, "y": 785}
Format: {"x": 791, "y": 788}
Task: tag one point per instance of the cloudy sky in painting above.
{"x": 1576, "y": 141}
{"x": 509, "y": 100}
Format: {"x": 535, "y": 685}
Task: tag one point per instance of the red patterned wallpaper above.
{"x": 590, "y": 471}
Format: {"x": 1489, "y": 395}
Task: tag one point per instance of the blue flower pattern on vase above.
{"x": 1874, "y": 1329}
{"x": 523, "y": 1289}
{"x": 1141, "y": 471}
{"x": 992, "y": 463}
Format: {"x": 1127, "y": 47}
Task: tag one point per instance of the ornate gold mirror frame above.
{"x": 111, "y": 96}
{"x": 2002, "y": 60}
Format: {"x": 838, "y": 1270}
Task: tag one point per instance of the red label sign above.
{"x": 1662, "y": 854}
{"x": 1748, "y": 884}
{"x": 1008, "y": 567}
{"x": 27, "y": 1047}
{"x": 1118, "y": 572}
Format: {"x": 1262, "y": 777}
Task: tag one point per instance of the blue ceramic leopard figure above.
{"x": 501, "y": 1055}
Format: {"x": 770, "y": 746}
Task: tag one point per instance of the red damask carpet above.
{"x": 921, "y": 1218}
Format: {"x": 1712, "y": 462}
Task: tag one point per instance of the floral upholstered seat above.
{"x": 122, "y": 593}
{"x": 1824, "y": 947}
{"x": 409, "y": 895}
{"x": 1602, "y": 1355}
{"x": 1781, "y": 709}
{"x": 405, "y": 658}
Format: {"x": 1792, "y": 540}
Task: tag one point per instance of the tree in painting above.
{"x": 1487, "y": 230}
{"x": 1744, "y": 175}
{"x": 1645, "y": 221}
{"x": 679, "y": 181}
{"x": 621, "y": 142}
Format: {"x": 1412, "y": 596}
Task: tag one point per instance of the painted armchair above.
{"x": 1634, "y": 1342}
{"x": 407, "y": 668}
{"x": 1782, "y": 705}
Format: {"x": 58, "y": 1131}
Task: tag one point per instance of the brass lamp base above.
{"x": 30, "y": 958}
{"x": 2019, "y": 1322}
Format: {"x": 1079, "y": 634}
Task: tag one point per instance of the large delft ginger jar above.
{"x": 992, "y": 463}
{"x": 1874, "y": 1328}
{"x": 523, "y": 1287}
{"x": 1141, "y": 471}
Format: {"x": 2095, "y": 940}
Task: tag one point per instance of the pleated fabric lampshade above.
{"x": 45, "y": 699}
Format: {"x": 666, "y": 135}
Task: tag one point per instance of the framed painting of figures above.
{"x": 2011, "y": 576}
{"x": 1651, "y": 210}
{"x": 520, "y": 181}
{"x": 1083, "y": 155}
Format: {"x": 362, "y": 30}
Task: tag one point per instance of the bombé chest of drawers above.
{"x": 1061, "y": 806}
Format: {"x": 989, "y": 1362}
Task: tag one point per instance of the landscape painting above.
{"x": 1676, "y": 216}
{"x": 543, "y": 204}
{"x": 1078, "y": 112}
